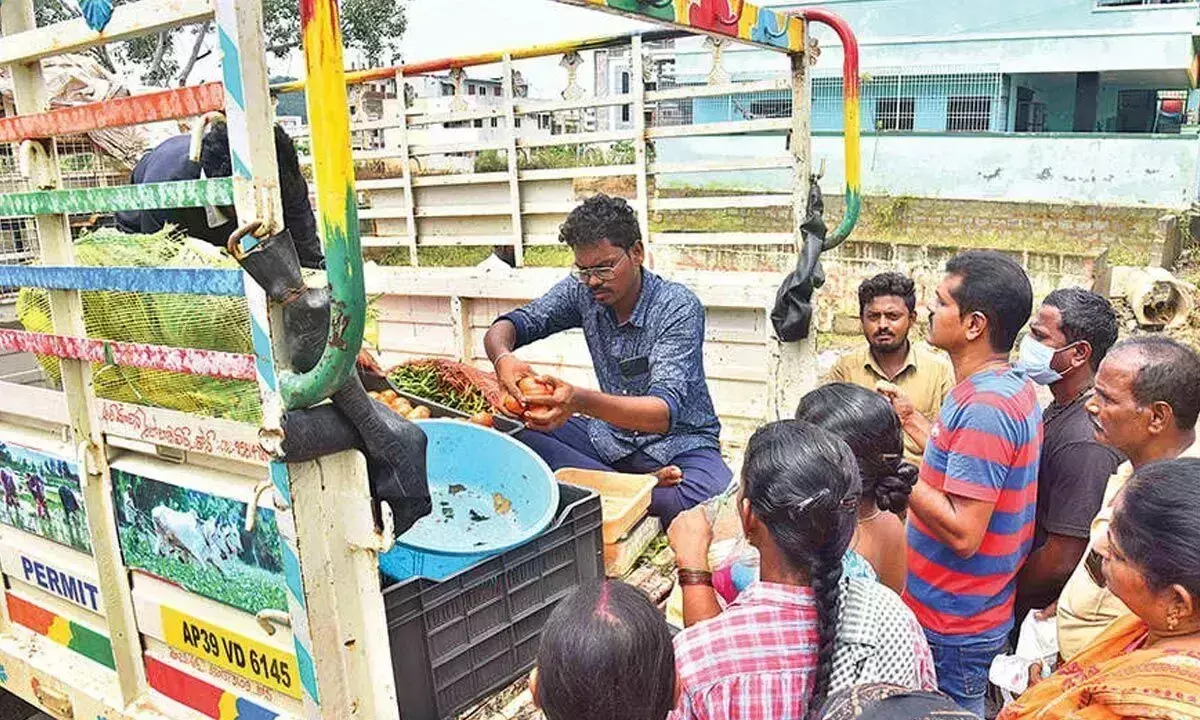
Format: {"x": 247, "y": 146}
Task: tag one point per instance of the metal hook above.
{"x": 234, "y": 246}
{"x": 268, "y": 619}
{"x": 198, "y": 134}
{"x": 252, "y": 506}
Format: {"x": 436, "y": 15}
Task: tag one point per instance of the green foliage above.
{"x": 373, "y": 27}
{"x": 207, "y": 323}
{"x": 491, "y": 161}
{"x": 424, "y": 381}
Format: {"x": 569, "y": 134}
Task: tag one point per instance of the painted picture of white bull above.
{"x": 42, "y": 496}
{"x": 197, "y": 540}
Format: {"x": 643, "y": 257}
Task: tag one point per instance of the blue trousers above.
{"x": 705, "y": 474}
{"x": 962, "y": 668}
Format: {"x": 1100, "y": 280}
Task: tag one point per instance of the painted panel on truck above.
{"x": 68, "y": 580}
{"x": 196, "y": 540}
{"x": 68, "y": 633}
{"x": 42, "y": 496}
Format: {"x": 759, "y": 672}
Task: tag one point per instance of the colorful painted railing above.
{"x": 154, "y": 196}
{"x": 736, "y": 19}
{"x": 488, "y": 58}
{"x": 209, "y": 363}
{"x": 175, "y": 281}
{"x": 118, "y": 112}
{"x": 851, "y": 111}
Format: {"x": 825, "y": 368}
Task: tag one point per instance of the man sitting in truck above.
{"x": 653, "y": 413}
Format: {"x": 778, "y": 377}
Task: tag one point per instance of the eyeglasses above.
{"x": 1094, "y": 564}
{"x": 603, "y": 274}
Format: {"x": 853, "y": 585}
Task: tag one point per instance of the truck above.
{"x": 166, "y": 564}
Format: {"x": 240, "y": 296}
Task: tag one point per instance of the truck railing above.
{"x": 130, "y": 653}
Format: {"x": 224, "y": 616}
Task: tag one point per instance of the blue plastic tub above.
{"x": 490, "y": 493}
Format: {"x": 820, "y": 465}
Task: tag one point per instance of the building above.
{"x": 1011, "y": 98}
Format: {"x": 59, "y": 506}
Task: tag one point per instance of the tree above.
{"x": 372, "y": 27}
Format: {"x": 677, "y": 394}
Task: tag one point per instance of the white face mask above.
{"x": 1035, "y": 359}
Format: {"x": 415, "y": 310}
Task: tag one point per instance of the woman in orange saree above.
{"x": 1146, "y": 664}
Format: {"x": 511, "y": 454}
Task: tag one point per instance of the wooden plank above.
{"x": 406, "y": 178}
{"x": 714, "y": 288}
{"x": 418, "y": 339}
{"x": 576, "y": 138}
{"x": 747, "y": 238}
{"x": 465, "y": 147}
{"x": 209, "y": 363}
{"x": 175, "y": 281}
{"x": 461, "y": 116}
{"x": 86, "y": 638}
{"x": 168, "y": 428}
{"x": 578, "y": 172}
{"x": 24, "y": 41}
{"x": 768, "y": 163}
{"x": 52, "y": 568}
{"x": 514, "y": 182}
{"x": 414, "y": 309}
{"x": 736, "y": 127}
{"x": 641, "y": 202}
{"x": 24, "y": 45}
{"x": 532, "y": 107}
{"x": 721, "y": 202}
{"x": 173, "y": 104}
{"x": 703, "y": 91}
{"x": 494, "y": 178}
{"x": 151, "y": 196}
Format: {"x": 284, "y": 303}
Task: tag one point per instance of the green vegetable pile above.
{"x": 426, "y": 379}
{"x": 192, "y": 321}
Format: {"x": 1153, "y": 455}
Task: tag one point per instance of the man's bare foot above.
{"x": 668, "y": 476}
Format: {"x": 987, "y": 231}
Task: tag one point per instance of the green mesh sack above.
{"x": 192, "y": 321}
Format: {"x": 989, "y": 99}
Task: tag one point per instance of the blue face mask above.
{"x": 1035, "y": 359}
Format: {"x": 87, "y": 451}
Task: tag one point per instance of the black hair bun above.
{"x": 892, "y": 489}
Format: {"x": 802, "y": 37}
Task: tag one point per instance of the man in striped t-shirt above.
{"x": 972, "y": 512}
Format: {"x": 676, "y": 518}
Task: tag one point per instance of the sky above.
{"x": 445, "y": 28}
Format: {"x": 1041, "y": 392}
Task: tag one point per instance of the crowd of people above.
{"x": 918, "y": 507}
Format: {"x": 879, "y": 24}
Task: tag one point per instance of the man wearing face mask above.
{"x": 1071, "y": 333}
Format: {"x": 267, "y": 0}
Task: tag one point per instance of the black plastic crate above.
{"x": 457, "y": 641}
{"x": 503, "y": 423}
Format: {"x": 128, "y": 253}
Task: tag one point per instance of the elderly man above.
{"x": 1145, "y": 406}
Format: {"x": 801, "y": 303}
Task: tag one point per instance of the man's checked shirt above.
{"x": 755, "y": 661}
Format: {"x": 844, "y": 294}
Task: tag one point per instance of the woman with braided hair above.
{"x": 811, "y": 630}
{"x": 865, "y": 421}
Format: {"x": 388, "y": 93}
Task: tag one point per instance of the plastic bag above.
{"x": 1037, "y": 643}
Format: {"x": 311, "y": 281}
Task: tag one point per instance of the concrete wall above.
{"x": 1121, "y": 170}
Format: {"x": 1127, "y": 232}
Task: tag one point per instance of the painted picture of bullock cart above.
{"x": 198, "y": 541}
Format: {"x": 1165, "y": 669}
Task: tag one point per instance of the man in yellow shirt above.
{"x": 1145, "y": 406}
{"x": 917, "y": 379}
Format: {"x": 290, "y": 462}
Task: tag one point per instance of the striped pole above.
{"x": 850, "y": 113}
{"x": 337, "y": 206}
{"x": 256, "y": 184}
